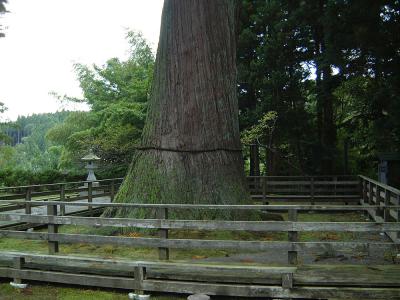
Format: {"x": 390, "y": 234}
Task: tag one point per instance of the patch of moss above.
{"x": 56, "y": 292}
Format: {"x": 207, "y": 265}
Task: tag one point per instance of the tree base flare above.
{"x": 183, "y": 178}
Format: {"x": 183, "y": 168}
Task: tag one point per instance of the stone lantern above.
{"x": 91, "y": 165}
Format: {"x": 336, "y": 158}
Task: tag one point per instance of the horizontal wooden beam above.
{"x": 326, "y": 275}
{"x": 210, "y": 288}
{"x": 380, "y": 184}
{"x": 195, "y": 243}
{"x": 205, "y": 224}
{"x": 307, "y": 183}
{"x": 117, "y": 180}
{"x": 68, "y": 278}
{"x": 209, "y": 206}
{"x": 129, "y": 264}
{"x": 328, "y": 177}
{"x": 271, "y": 291}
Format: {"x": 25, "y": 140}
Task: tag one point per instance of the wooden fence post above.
{"x": 18, "y": 265}
{"x": 28, "y": 197}
{"x": 293, "y": 237}
{"x": 264, "y": 190}
{"x": 378, "y": 211}
{"x": 312, "y": 190}
{"x": 386, "y": 212}
{"x": 163, "y": 253}
{"x": 287, "y": 281}
{"x": 112, "y": 190}
{"x": 371, "y": 194}
{"x": 335, "y": 179}
{"x": 90, "y": 197}
{"x": 398, "y": 213}
{"x": 365, "y": 195}
{"x": 52, "y": 228}
{"x": 139, "y": 274}
{"x": 364, "y": 190}
{"x": 62, "y": 198}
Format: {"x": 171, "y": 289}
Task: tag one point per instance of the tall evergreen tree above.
{"x": 191, "y": 150}
{"x": 351, "y": 52}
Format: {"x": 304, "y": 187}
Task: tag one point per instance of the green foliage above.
{"x": 34, "y": 159}
{"x": 32, "y": 152}
{"x": 272, "y": 77}
{"x": 72, "y": 136}
{"x": 18, "y": 177}
{"x": 117, "y": 94}
{"x": 261, "y": 132}
{"x": 47, "y": 148}
{"x": 330, "y": 69}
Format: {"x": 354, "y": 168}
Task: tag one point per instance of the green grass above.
{"x": 330, "y": 217}
{"x": 55, "y": 292}
{"x": 115, "y": 251}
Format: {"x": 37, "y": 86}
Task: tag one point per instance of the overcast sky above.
{"x": 45, "y": 37}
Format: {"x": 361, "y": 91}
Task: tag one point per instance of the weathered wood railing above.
{"x": 65, "y": 191}
{"x": 382, "y": 197}
{"x": 337, "y": 188}
{"x": 162, "y": 223}
{"x": 311, "y": 189}
{"x": 295, "y": 281}
{"x": 292, "y": 284}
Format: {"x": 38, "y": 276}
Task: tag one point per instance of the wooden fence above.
{"x": 291, "y": 280}
{"x": 291, "y": 286}
{"x": 382, "y": 197}
{"x": 65, "y": 191}
{"x": 338, "y": 188}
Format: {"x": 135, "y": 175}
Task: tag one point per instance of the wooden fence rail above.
{"x": 66, "y": 191}
{"x": 383, "y": 197}
{"x": 312, "y": 189}
{"x": 163, "y": 224}
{"x": 293, "y": 281}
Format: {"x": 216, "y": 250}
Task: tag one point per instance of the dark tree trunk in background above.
{"x": 191, "y": 150}
{"x": 254, "y": 160}
{"x": 327, "y": 136}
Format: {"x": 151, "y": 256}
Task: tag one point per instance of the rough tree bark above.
{"x": 191, "y": 150}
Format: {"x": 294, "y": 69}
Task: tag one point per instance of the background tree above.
{"x": 26, "y": 147}
{"x": 117, "y": 94}
{"x": 272, "y": 77}
{"x": 330, "y": 69}
{"x": 190, "y": 150}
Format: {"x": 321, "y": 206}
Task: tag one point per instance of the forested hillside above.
{"x": 26, "y": 155}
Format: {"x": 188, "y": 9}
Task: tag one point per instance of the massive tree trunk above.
{"x": 191, "y": 150}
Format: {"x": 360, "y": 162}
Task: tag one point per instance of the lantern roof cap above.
{"x": 90, "y": 156}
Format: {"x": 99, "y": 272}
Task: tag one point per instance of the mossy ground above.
{"x": 60, "y": 292}
{"x": 114, "y": 251}
{"x": 148, "y": 253}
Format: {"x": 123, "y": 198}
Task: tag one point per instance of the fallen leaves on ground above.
{"x": 330, "y": 237}
{"x": 132, "y": 234}
{"x": 247, "y": 260}
{"x": 198, "y": 257}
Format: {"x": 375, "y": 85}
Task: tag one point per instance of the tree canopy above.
{"x": 314, "y": 78}
{"x": 117, "y": 95}
{"x": 330, "y": 71}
